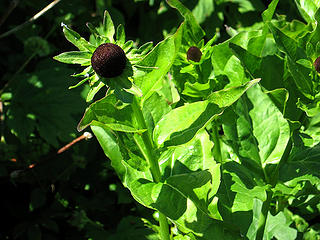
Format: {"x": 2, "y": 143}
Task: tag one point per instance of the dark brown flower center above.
{"x": 194, "y": 54}
{"x": 108, "y": 60}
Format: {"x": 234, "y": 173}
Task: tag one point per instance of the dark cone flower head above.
{"x": 194, "y": 54}
{"x": 108, "y": 60}
{"x": 317, "y": 64}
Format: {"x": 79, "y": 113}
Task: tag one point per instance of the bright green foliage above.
{"x": 223, "y": 148}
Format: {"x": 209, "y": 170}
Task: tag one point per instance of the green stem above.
{"x": 148, "y": 152}
{"x": 164, "y": 227}
{"x": 216, "y": 140}
{"x": 263, "y": 216}
{"x": 147, "y": 148}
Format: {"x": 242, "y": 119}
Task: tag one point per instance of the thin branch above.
{"x": 13, "y": 5}
{"x": 85, "y": 135}
{"x": 35, "y": 17}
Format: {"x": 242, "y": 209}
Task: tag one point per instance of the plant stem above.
{"x": 164, "y": 227}
{"x": 148, "y": 152}
{"x": 217, "y": 146}
{"x": 147, "y": 149}
{"x": 263, "y": 216}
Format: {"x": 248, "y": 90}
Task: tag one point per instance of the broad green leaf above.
{"x": 270, "y": 68}
{"x": 77, "y": 40}
{"x": 250, "y": 61}
{"x": 270, "y": 128}
{"x": 225, "y": 63}
{"x": 259, "y": 135}
{"x": 108, "y": 27}
{"x": 153, "y": 109}
{"x": 160, "y": 59}
{"x": 83, "y": 58}
{"x": 195, "y": 157}
{"x": 110, "y": 146}
{"x": 182, "y": 123}
{"x": 190, "y": 22}
{"x": 105, "y": 111}
{"x": 195, "y": 115}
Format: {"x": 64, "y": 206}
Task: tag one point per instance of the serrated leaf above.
{"x": 83, "y": 58}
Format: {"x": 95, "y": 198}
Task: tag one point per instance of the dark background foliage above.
{"x": 76, "y": 194}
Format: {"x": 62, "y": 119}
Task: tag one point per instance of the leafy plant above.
{"x": 220, "y": 141}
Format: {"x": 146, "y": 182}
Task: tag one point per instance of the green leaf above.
{"x": 160, "y": 59}
{"x": 124, "y": 128}
{"x": 121, "y": 37}
{"x": 302, "y": 165}
{"x": 226, "y": 97}
{"x": 110, "y": 146}
{"x": 153, "y": 109}
{"x": 202, "y": 10}
{"x": 83, "y": 58}
{"x": 108, "y": 27}
{"x": 259, "y": 137}
{"x": 226, "y": 64}
{"x": 276, "y": 226}
{"x": 106, "y": 111}
{"x": 191, "y": 23}
{"x": 77, "y": 40}
{"x": 267, "y": 14}
{"x": 308, "y": 9}
{"x": 197, "y": 89}
{"x": 93, "y": 90}
{"x": 181, "y": 124}
{"x": 195, "y": 116}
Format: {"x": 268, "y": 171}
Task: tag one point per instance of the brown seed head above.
{"x": 194, "y": 54}
{"x": 316, "y": 64}
{"x": 108, "y": 60}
